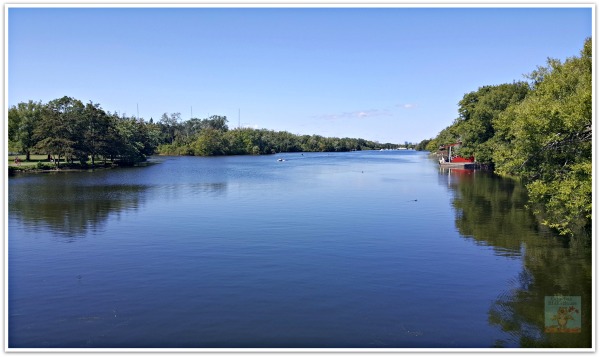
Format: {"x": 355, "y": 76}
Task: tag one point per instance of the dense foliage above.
{"x": 243, "y": 141}
{"x": 66, "y": 129}
{"x": 477, "y": 112}
{"x": 540, "y": 132}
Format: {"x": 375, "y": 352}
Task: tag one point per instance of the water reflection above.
{"x": 490, "y": 211}
{"x": 549, "y": 269}
{"x": 71, "y": 210}
{"x": 72, "y": 205}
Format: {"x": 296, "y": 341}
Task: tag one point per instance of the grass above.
{"x": 41, "y": 163}
{"x": 34, "y": 159}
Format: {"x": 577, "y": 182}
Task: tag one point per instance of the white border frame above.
{"x": 279, "y": 4}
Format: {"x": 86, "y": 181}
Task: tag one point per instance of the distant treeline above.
{"x": 539, "y": 131}
{"x": 212, "y": 137}
{"x": 67, "y": 129}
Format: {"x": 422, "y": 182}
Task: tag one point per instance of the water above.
{"x": 322, "y": 250}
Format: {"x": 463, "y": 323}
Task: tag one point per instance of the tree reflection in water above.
{"x": 490, "y": 210}
{"x": 70, "y": 210}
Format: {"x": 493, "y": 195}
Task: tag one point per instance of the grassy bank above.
{"x": 40, "y": 163}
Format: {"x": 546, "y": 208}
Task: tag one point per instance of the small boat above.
{"x": 280, "y": 160}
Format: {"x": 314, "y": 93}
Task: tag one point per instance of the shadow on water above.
{"x": 71, "y": 210}
{"x": 71, "y": 207}
{"x": 491, "y": 211}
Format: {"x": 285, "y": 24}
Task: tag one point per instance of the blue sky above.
{"x": 385, "y": 74}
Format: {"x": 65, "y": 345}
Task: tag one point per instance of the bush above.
{"x": 44, "y": 166}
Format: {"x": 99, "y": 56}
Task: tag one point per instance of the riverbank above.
{"x": 41, "y": 164}
{"x": 48, "y": 167}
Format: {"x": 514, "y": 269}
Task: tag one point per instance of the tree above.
{"x": 170, "y": 125}
{"x": 547, "y": 140}
{"x": 190, "y": 130}
{"x": 22, "y": 121}
{"x": 66, "y": 128}
{"x": 211, "y": 142}
{"x": 540, "y": 132}
{"x": 58, "y": 131}
{"x": 477, "y": 111}
{"x": 217, "y": 122}
{"x": 448, "y": 135}
{"x": 96, "y": 131}
{"x": 422, "y": 145}
{"x": 131, "y": 141}
{"x": 113, "y": 140}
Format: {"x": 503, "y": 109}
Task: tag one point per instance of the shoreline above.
{"x": 14, "y": 170}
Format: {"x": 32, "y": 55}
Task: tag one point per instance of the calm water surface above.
{"x": 344, "y": 250}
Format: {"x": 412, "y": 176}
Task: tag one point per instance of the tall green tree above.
{"x": 448, "y": 135}
{"x": 217, "y": 122}
{"x": 22, "y": 121}
{"x": 136, "y": 140}
{"x": 59, "y": 130}
{"x": 211, "y": 142}
{"x": 95, "y": 131}
{"x": 171, "y": 126}
{"x": 547, "y": 140}
{"x": 477, "y": 111}
{"x": 540, "y": 132}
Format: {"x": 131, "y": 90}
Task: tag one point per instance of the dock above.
{"x": 460, "y": 165}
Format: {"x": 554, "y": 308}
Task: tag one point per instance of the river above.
{"x": 372, "y": 249}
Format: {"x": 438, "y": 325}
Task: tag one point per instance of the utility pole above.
{"x": 239, "y": 126}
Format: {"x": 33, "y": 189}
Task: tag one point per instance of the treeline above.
{"x": 211, "y": 137}
{"x": 66, "y": 129}
{"x": 539, "y": 131}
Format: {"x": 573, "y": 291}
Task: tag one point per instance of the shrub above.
{"x": 45, "y": 166}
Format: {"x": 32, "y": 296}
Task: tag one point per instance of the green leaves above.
{"x": 479, "y": 109}
{"x": 212, "y": 137}
{"x": 547, "y": 140}
{"x": 66, "y": 128}
{"x": 211, "y": 142}
{"x": 565, "y": 203}
{"x": 540, "y": 132}
{"x": 22, "y": 121}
